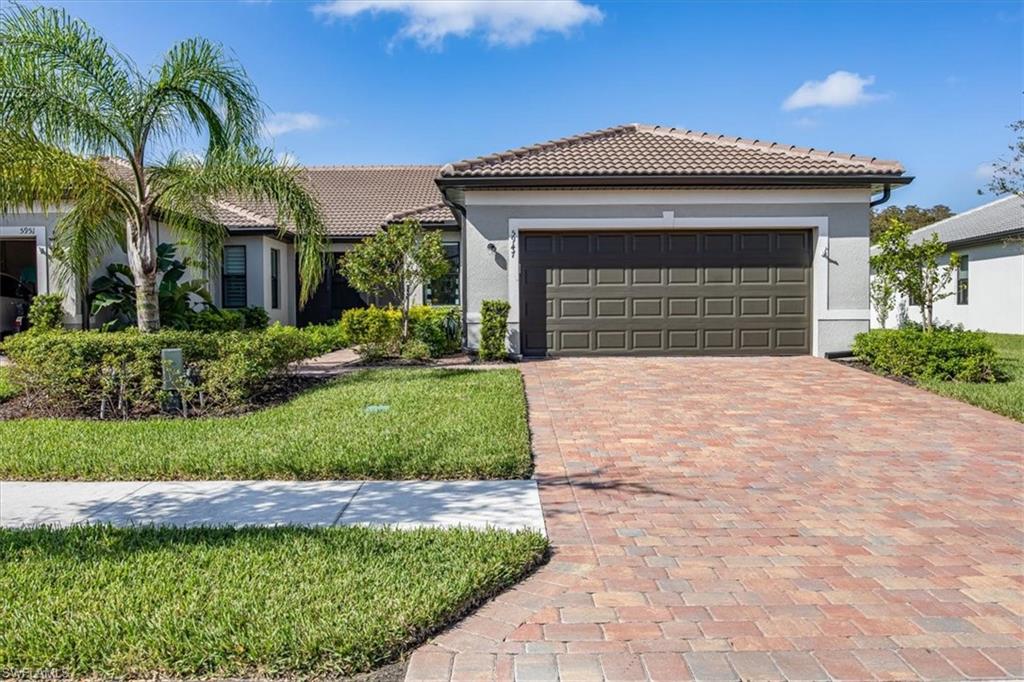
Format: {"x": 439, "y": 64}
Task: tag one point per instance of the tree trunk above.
{"x": 147, "y": 303}
{"x": 142, "y": 262}
{"x": 926, "y": 316}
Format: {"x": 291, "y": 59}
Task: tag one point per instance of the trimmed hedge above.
{"x": 120, "y": 373}
{"x": 376, "y": 332}
{"x": 494, "y": 330}
{"x": 943, "y": 354}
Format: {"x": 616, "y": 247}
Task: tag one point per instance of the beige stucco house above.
{"x": 629, "y": 240}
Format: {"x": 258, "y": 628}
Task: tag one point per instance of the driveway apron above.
{"x": 757, "y": 518}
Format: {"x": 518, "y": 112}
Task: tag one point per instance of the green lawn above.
{"x": 439, "y": 424}
{"x": 7, "y": 389}
{"x": 1006, "y": 398}
{"x": 98, "y": 601}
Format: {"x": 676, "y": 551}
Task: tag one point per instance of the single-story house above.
{"x": 629, "y": 240}
{"x": 987, "y": 291}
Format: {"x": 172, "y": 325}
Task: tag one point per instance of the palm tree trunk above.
{"x": 142, "y": 261}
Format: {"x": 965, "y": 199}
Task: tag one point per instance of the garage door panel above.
{"x": 673, "y": 292}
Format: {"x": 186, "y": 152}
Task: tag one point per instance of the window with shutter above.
{"x": 233, "y": 280}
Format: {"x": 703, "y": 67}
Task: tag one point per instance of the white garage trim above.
{"x": 668, "y": 221}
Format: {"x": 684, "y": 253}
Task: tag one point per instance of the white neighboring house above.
{"x": 988, "y": 289}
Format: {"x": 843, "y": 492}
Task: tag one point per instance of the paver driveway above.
{"x": 759, "y": 519}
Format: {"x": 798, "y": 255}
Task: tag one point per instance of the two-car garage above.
{"x": 744, "y": 292}
{"x": 653, "y": 240}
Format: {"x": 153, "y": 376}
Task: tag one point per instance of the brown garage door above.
{"x": 680, "y": 293}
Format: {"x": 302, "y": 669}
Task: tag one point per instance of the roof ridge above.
{"x": 405, "y": 213}
{"x": 794, "y": 150}
{"x": 342, "y": 166}
{"x": 518, "y": 152}
{"x": 245, "y": 212}
{"x": 968, "y": 212}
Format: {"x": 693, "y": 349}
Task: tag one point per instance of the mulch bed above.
{"x": 864, "y": 367}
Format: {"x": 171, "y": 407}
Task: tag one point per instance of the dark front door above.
{"x": 666, "y": 293}
{"x": 333, "y": 297}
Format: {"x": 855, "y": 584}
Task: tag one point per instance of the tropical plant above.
{"x": 80, "y": 123}
{"x": 115, "y": 291}
{"x": 914, "y": 268}
{"x": 395, "y": 263}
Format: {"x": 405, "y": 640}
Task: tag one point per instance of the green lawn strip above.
{"x": 1006, "y": 398}
{"x": 101, "y": 601}
{"x": 7, "y": 389}
{"x": 450, "y": 424}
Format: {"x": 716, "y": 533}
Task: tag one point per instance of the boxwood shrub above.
{"x": 494, "y": 330}
{"x": 944, "y": 354}
{"x": 119, "y": 374}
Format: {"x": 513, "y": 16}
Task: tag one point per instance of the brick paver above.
{"x": 760, "y": 518}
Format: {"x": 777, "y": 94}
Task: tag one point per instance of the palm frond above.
{"x": 252, "y": 176}
{"x": 62, "y": 81}
{"x": 198, "y": 83}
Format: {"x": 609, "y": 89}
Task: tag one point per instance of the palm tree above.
{"x": 82, "y": 125}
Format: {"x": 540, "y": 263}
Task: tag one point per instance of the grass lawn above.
{"x": 7, "y": 389}
{"x": 1006, "y": 398}
{"x": 100, "y": 601}
{"x": 439, "y": 424}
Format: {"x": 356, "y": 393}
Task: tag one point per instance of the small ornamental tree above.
{"x": 915, "y": 269}
{"x": 882, "y": 291}
{"x": 394, "y": 263}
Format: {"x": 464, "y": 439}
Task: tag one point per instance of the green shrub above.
{"x": 47, "y": 312}
{"x": 255, "y": 317}
{"x": 215, "y": 320}
{"x": 324, "y": 338}
{"x": 414, "y": 349}
{"x": 439, "y": 328}
{"x": 494, "y": 330}
{"x": 943, "y": 354}
{"x": 373, "y": 325}
{"x": 120, "y": 373}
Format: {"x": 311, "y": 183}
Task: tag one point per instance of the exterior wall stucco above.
{"x": 846, "y": 291}
{"x": 995, "y": 288}
{"x": 257, "y": 264}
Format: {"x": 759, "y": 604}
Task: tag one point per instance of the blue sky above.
{"x": 933, "y": 85}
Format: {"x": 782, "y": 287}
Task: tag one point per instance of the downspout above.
{"x": 460, "y": 218}
{"x": 886, "y": 193}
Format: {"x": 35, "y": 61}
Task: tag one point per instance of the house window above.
{"x": 961, "y": 282}
{"x": 445, "y": 290}
{"x": 275, "y": 278}
{"x": 233, "y": 284}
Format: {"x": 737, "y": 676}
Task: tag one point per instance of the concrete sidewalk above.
{"x": 509, "y": 505}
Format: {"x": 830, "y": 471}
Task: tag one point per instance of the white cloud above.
{"x": 839, "y": 89}
{"x": 502, "y": 22}
{"x": 290, "y": 122}
{"x": 985, "y": 171}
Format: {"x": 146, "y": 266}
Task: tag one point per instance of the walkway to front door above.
{"x": 758, "y": 518}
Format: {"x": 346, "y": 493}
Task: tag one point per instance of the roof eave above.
{"x": 567, "y": 181}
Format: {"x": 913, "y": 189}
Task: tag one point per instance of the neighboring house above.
{"x": 987, "y": 292}
{"x": 629, "y": 240}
